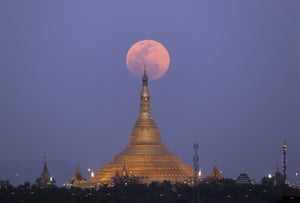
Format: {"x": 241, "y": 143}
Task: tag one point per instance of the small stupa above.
{"x": 215, "y": 175}
{"x": 77, "y": 176}
{"x": 45, "y": 179}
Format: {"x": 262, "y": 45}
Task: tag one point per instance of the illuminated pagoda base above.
{"x": 145, "y": 159}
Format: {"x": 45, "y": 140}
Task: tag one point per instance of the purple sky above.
{"x": 232, "y": 86}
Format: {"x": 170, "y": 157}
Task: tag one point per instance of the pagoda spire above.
{"x": 145, "y": 108}
{"x": 145, "y": 130}
{"x": 45, "y": 172}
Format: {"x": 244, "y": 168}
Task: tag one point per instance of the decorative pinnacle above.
{"x": 145, "y": 78}
{"x": 145, "y": 109}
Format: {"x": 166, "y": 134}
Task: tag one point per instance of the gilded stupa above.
{"x": 215, "y": 175}
{"x": 45, "y": 179}
{"x": 145, "y": 159}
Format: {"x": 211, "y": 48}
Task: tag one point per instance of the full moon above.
{"x": 148, "y": 54}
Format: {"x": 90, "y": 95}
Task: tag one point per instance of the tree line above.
{"x": 222, "y": 191}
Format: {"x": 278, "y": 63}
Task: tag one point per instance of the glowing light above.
{"x": 270, "y": 176}
{"x": 92, "y": 174}
{"x": 200, "y": 173}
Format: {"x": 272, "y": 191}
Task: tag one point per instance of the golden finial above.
{"x": 145, "y": 78}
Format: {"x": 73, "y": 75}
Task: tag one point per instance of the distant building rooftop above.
{"x": 243, "y": 178}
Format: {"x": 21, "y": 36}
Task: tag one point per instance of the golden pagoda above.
{"x": 77, "y": 176}
{"x": 215, "y": 175}
{"x": 45, "y": 179}
{"x": 145, "y": 158}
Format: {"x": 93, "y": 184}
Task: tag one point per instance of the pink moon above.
{"x": 149, "y": 54}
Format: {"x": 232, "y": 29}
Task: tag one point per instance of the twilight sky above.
{"x": 232, "y": 86}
